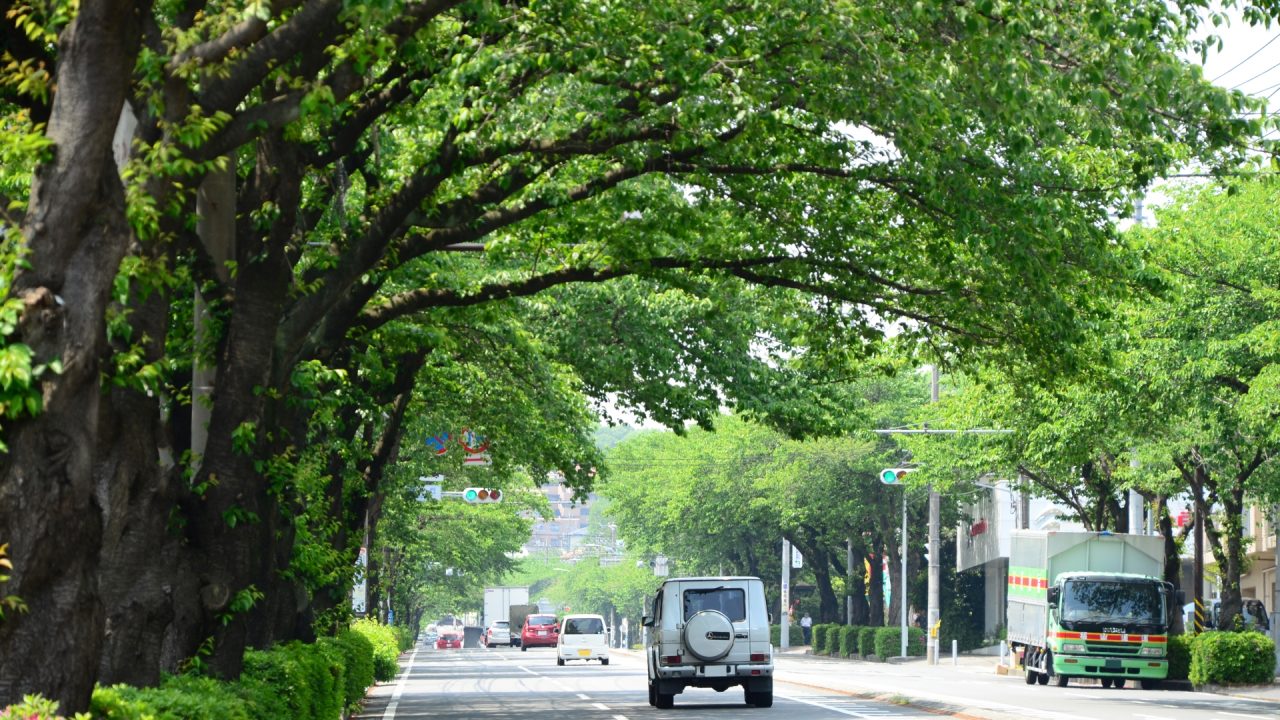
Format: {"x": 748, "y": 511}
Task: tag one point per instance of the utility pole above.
{"x": 1197, "y": 575}
{"x": 784, "y": 635}
{"x": 1275, "y": 579}
{"x": 935, "y": 559}
{"x": 1136, "y": 501}
{"x": 849, "y": 595}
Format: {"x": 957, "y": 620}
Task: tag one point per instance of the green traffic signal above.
{"x": 471, "y": 495}
{"x": 894, "y": 476}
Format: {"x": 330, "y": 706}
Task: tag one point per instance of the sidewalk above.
{"x": 990, "y": 664}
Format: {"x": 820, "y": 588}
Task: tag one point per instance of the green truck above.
{"x": 1089, "y": 605}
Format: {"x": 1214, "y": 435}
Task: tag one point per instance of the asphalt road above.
{"x": 504, "y": 684}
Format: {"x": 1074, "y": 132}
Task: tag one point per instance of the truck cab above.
{"x": 1112, "y": 626}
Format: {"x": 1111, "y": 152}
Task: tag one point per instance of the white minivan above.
{"x": 582, "y": 637}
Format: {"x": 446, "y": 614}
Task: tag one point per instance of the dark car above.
{"x": 449, "y": 639}
{"x": 539, "y": 631}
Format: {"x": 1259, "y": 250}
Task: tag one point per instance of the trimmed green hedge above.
{"x": 1180, "y": 656}
{"x": 866, "y": 641}
{"x": 888, "y": 642}
{"x": 848, "y": 641}
{"x": 820, "y": 638}
{"x": 794, "y": 634}
{"x": 1232, "y": 657}
{"x": 386, "y": 647}
{"x": 293, "y": 680}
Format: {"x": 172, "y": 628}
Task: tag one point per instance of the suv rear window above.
{"x": 540, "y": 620}
{"x": 583, "y": 626}
{"x": 730, "y": 601}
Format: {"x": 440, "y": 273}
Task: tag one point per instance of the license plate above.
{"x": 584, "y": 652}
{"x": 1114, "y": 665}
{"x": 715, "y": 670}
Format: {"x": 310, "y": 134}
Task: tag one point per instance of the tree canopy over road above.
{"x": 413, "y": 215}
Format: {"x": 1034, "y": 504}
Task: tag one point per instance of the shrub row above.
{"x": 850, "y": 640}
{"x": 1219, "y": 658}
{"x": 794, "y": 634}
{"x": 318, "y": 681}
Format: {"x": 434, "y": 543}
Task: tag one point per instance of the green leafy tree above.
{"x": 944, "y": 167}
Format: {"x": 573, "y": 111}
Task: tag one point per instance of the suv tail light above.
{"x": 672, "y": 659}
{"x": 757, "y": 657}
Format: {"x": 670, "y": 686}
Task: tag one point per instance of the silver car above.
{"x": 498, "y": 633}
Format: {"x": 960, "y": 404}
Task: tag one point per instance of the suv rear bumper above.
{"x": 714, "y": 672}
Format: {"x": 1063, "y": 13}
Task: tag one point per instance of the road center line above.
{"x": 583, "y": 697}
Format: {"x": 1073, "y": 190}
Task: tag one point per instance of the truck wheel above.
{"x": 1042, "y": 678}
{"x": 1150, "y": 684}
{"x": 560, "y": 662}
{"x": 1061, "y": 680}
{"x": 1119, "y": 683}
{"x": 604, "y": 661}
{"x": 1030, "y": 676}
{"x": 1106, "y": 682}
{"x": 653, "y": 694}
{"x": 524, "y": 648}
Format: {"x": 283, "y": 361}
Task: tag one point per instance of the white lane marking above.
{"x": 1243, "y": 715}
{"x": 390, "y": 712}
{"x": 831, "y": 708}
{"x": 531, "y": 672}
{"x": 600, "y": 706}
{"x": 619, "y": 717}
{"x": 583, "y": 697}
{"x": 1153, "y": 717}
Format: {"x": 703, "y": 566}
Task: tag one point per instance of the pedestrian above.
{"x": 806, "y": 627}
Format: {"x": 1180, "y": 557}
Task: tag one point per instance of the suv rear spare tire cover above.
{"x": 709, "y": 635}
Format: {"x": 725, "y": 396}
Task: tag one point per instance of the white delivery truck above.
{"x": 1090, "y": 604}
{"x": 498, "y": 602}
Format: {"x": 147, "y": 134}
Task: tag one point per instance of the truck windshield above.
{"x": 1111, "y": 602}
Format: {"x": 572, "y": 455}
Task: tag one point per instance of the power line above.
{"x": 1237, "y": 86}
{"x": 1255, "y": 52}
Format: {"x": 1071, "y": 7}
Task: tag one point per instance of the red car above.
{"x": 449, "y": 639}
{"x": 539, "y": 631}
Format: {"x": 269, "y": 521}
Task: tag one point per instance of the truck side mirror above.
{"x": 1054, "y": 595}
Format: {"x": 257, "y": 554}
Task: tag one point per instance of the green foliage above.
{"x": 11, "y": 602}
{"x": 357, "y": 663}
{"x": 1222, "y": 658}
{"x": 867, "y": 640}
{"x": 312, "y": 675}
{"x": 178, "y": 698}
{"x": 795, "y": 635}
{"x": 386, "y": 647}
{"x": 850, "y": 641}
{"x": 821, "y": 631}
{"x": 1180, "y": 656}
{"x": 36, "y": 707}
{"x": 294, "y": 680}
{"x": 888, "y": 642}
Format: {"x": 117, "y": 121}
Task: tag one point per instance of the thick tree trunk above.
{"x": 77, "y": 234}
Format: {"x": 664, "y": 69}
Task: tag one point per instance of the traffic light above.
{"x": 894, "y": 476}
{"x": 476, "y": 495}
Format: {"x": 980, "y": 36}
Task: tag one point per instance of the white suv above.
{"x": 710, "y": 632}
